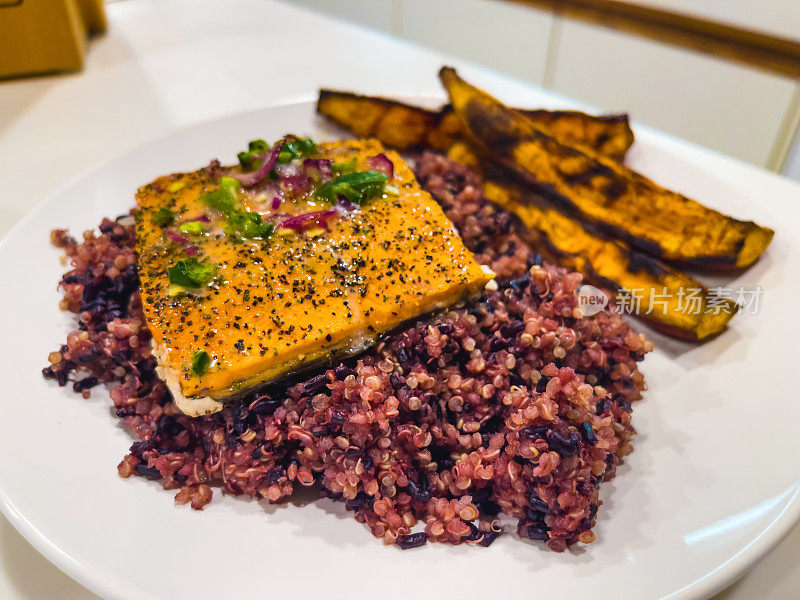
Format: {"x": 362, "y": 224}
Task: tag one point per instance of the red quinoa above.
{"x": 511, "y": 404}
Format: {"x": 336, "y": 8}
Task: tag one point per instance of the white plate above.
{"x": 712, "y": 486}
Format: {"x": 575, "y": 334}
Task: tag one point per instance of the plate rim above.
{"x": 705, "y": 586}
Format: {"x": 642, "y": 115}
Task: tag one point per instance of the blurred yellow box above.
{"x": 44, "y": 36}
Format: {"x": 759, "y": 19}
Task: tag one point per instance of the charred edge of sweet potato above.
{"x": 367, "y": 116}
{"x": 545, "y": 114}
{"x": 614, "y": 138}
{"x": 615, "y": 118}
{"x": 637, "y": 261}
{"x": 759, "y": 239}
{"x": 730, "y": 264}
{"x": 519, "y": 145}
{"x": 440, "y": 128}
{"x": 630, "y": 260}
{"x": 550, "y": 252}
{"x": 547, "y": 192}
{"x": 717, "y": 264}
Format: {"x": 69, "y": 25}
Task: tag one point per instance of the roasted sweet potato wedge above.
{"x": 664, "y": 298}
{"x": 621, "y": 202}
{"x": 405, "y": 127}
{"x": 395, "y": 124}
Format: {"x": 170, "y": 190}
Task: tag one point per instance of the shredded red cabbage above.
{"x": 175, "y": 236}
{"x": 292, "y": 177}
{"x": 287, "y": 170}
{"x": 381, "y": 164}
{"x": 296, "y": 184}
{"x": 276, "y": 202}
{"x": 192, "y": 250}
{"x": 269, "y": 161}
{"x": 202, "y": 218}
{"x": 319, "y": 167}
{"x": 214, "y": 169}
{"x": 319, "y": 217}
{"x": 345, "y": 204}
{"x": 268, "y": 188}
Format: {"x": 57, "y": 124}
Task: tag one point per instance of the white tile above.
{"x": 372, "y": 13}
{"x": 505, "y": 36}
{"x": 779, "y": 18}
{"x": 727, "y": 107}
{"x": 792, "y": 166}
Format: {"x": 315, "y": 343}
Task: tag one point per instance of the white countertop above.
{"x": 165, "y": 66}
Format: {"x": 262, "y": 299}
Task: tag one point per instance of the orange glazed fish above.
{"x": 301, "y": 254}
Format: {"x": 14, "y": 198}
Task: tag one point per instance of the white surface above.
{"x": 151, "y": 76}
{"x": 792, "y": 166}
{"x": 780, "y": 18}
{"x": 734, "y": 109}
{"x": 373, "y": 13}
{"x": 730, "y": 108}
{"x": 509, "y": 37}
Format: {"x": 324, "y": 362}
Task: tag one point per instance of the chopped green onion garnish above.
{"x": 192, "y": 228}
{"x": 344, "y": 167}
{"x": 356, "y": 187}
{"x": 200, "y": 362}
{"x": 296, "y": 149}
{"x": 248, "y": 225}
{"x": 230, "y": 185}
{"x": 190, "y": 273}
{"x": 248, "y": 159}
{"x": 240, "y": 223}
{"x": 392, "y": 190}
{"x": 306, "y": 146}
{"x": 163, "y": 217}
{"x": 176, "y": 290}
{"x": 221, "y": 199}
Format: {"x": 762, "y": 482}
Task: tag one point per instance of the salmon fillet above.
{"x": 299, "y": 295}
